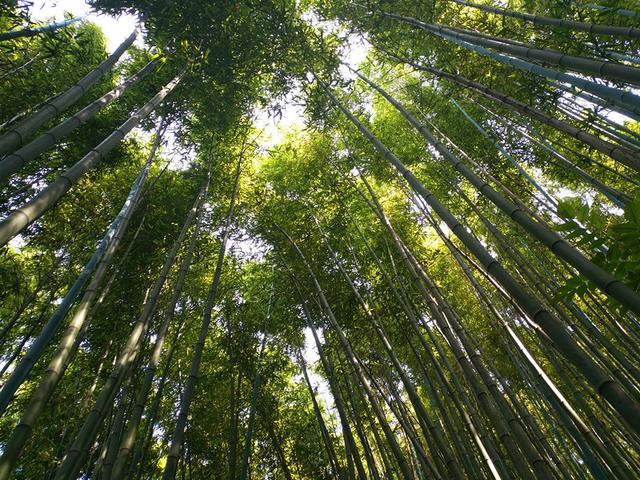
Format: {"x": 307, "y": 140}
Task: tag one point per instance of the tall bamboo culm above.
{"x": 18, "y": 135}
{"x": 20, "y": 218}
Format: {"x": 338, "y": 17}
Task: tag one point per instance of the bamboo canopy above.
{"x": 320, "y": 240}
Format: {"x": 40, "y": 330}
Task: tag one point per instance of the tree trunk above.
{"x": 627, "y": 102}
{"x": 600, "y": 380}
{"x": 101, "y": 260}
{"x": 395, "y": 447}
{"x": 351, "y": 450}
{"x": 443, "y": 315}
{"x": 425, "y": 422}
{"x": 530, "y": 133}
{"x": 621, "y": 154}
{"x": 331, "y": 453}
{"x": 246, "y": 453}
{"x": 604, "y": 280}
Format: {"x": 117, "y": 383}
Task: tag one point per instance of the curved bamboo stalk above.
{"x": 623, "y": 12}
{"x": 604, "y": 280}
{"x": 476, "y": 428}
{"x": 135, "y": 416}
{"x": 530, "y": 133}
{"x": 552, "y": 201}
{"x": 326, "y": 437}
{"x": 440, "y": 447}
{"x": 36, "y": 349}
{"x": 246, "y": 452}
{"x": 617, "y": 152}
{"x": 622, "y": 99}
{"x": 19, "y": 68}
{"x": 143, "y": 443}
{"x": 357, "y": 365}
{"x": 467, "y": 358}
{"x": 350, "y": 447}
{"x": 599, "y": 101}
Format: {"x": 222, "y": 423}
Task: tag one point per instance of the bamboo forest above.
{"x": 320, "y": 239}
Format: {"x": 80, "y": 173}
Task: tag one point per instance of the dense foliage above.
{"x": 434, "y": 274}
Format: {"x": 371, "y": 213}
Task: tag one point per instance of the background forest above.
{"x": 435, "y": 273}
